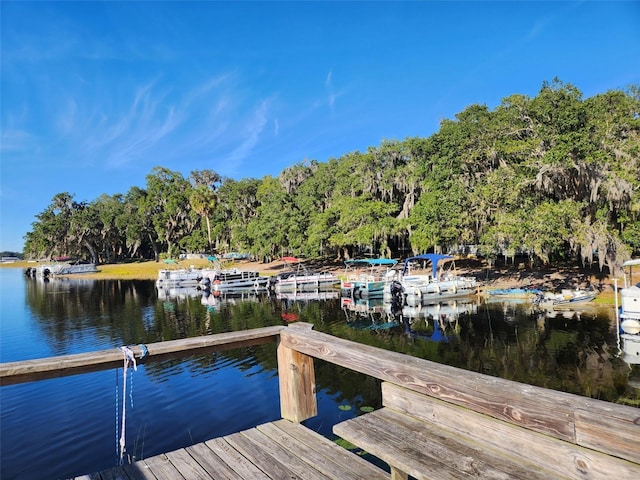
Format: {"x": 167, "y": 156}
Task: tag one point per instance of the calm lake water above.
{"x": 69, "y": 426}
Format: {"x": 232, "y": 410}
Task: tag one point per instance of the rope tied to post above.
{"x": 129, "y": 361}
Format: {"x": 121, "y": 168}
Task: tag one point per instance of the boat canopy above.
{"x": 434, "y": 258}
{"x": 631, "y": 263}
{"x": 291, "y": 259}
{"x": 377, "y": 262}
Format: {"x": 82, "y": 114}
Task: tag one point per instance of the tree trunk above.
{"x": 156, "y": 255}
{"x": 92, "y": 252}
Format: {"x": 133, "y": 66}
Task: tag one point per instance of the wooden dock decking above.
{"x": 467, "y": 416}
{"x": 272, "y": 451}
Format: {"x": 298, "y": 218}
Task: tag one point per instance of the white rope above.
{"x": 128, "y": 358}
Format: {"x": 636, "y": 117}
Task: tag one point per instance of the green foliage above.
{"x": 555, "y": 176}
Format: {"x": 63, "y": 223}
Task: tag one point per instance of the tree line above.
{"x": 554, "y": 177}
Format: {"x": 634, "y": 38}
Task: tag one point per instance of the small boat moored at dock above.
{"x": 367, "y": 277}
{"x": 629, "y": 315}
{"x": 61, "y": 268}
{"x": 565, "y": 298}
{"x": 300, "y": 278}
{"x": 232, "y": 279}
{"x": 182, "y": 277}
{"x": 423, "y": 288}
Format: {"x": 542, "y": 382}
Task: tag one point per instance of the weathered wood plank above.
{"x": 280, "y": 455}
{"x": 426, "y": 451}
{"x": 259, "y": 457}
{"x": 614, "y": 435}
{"x": 566, "y": 459}
{"x": 536, "y": 408}
{"x": 211, "y": 462}
{"x": 354, "y": 465}
{"x": 243, "y": 468}
{"x": 397, "y": 474}
{"x": 161, "y": 467}
{"x": 187, "y": 466}
{"x": 43, "y": 368}
{"x": 617, "y": 434}
{"x": 328, "y": 458}
{"x": 296, "y": 376}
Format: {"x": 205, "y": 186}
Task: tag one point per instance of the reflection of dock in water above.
{"x": 215, "y": 300}
{"x": 307, "y": 295}
{"x": 448, "y": 311}
{"x": 169, "y": 293}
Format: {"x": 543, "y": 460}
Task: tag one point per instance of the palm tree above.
{"x": 203, "y": 202}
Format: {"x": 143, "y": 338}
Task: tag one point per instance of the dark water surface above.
{"x": 70, "y": 426}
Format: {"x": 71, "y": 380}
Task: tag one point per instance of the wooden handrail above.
{"x": 52, "y": 367}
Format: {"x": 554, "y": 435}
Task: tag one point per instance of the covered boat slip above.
{"x": 436, "y": 422}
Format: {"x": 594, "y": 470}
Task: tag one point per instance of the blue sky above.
{"x": 94, "y": 95}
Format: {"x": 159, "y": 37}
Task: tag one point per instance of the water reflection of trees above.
{"x": 73, "y": 312}
{"x": 567, "y": 352}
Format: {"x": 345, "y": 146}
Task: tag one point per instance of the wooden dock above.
{"x": 276, "y": 450}
{"x": 436, "y": 422}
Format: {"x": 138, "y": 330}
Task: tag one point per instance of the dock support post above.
{"x": 297, "y": 383}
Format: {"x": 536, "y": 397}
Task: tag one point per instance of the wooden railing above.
{"x": 41, "y": 369}
{"x": 601, "y": 426}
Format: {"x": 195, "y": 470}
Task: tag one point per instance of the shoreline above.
{"x": 551, "y": 278}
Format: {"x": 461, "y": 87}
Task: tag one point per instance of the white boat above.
{"x": 367, "y": 277}
{"x": 418, "y": 289}
{"x": 299, "y": 278}
{"x": 628, "y": 315}
{"x": 630, "y": 310}
{"x": 232, "y": 279}
{"x": 61, "y": 268}
{"x": 182, "y": 277}
{"x": 565, "y": 299}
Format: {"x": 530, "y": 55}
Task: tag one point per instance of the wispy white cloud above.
{"x": 125, "y": 137}
{"x": 67, "y": 119}
{"x": 207, "y": 88}
{"x": 251, "y": 133}
{"x": 14, "y": 140}
{"x": 14, "y": 136}
{"x": 538, "y": 28}
{"x": 331, "y": 100}
{"x": 327, "y": 81}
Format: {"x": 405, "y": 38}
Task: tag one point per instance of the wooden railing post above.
{"x": 297, "y": 382}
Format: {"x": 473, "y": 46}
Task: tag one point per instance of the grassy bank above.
{"x": 148, "y": 270}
